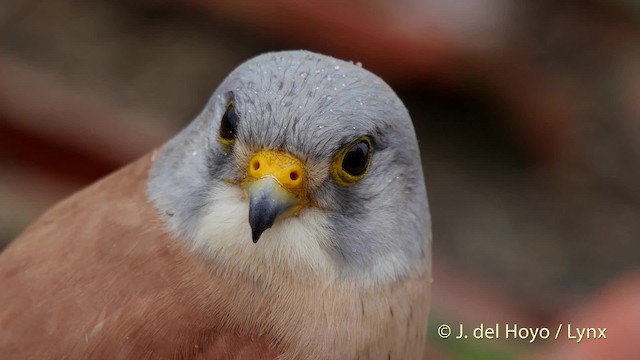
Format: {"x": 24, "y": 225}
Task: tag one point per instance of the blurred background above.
{"x": 527, "y": 112}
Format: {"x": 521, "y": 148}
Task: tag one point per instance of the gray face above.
{"x": 310, "y": 106}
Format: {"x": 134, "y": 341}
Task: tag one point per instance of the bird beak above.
{"x": 277, "y": 185}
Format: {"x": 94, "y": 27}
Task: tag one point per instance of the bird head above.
{"x": 299, "y": 164}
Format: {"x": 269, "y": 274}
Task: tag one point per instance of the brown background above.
{"x": 528, "y": 114}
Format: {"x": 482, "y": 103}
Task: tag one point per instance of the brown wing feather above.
{"x": 97, "y": 277}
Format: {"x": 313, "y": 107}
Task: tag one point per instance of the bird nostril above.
{"x": 294, "y": 175}
{"x": 256, "y": 164}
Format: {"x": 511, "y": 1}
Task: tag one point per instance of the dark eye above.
{"x": 356, "y": 159}
{"x": 352, "y": 162}
{"x": 229, "y": 124}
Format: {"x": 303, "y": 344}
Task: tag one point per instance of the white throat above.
{"x": 297, "y": 245}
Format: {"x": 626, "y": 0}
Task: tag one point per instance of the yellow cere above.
{"x": 288, "y": 170}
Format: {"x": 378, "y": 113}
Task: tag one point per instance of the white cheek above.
{"x": 299, "y": 244}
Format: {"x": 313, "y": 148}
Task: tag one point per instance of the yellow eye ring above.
{"x": 352, "y": 162}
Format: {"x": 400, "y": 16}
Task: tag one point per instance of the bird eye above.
{"x": 228, "y": 125}
{"x": 356, "y": 159}
{"x": 352, "y": 162}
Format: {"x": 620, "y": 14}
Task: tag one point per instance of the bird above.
{"x": 288, "y": 220}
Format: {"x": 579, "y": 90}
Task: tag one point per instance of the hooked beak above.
{"x": 277, "y": 185}
{"x": 267, "y": 200}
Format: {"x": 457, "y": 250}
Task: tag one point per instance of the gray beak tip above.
{"x": 260, "y": 219}
{"x": 267, "y": 200}
{"x": 255, "y": 235}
